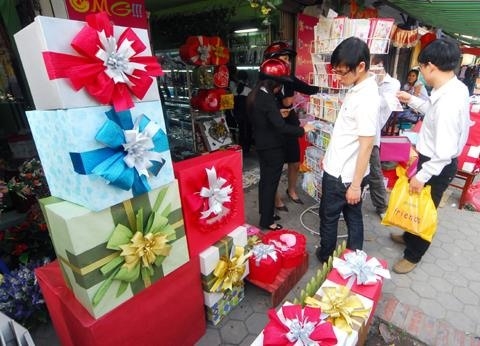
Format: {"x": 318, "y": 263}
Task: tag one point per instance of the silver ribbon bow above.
{"x": 299, "y": 332}
{"x": 356, "y": 266}
{"x": 117, "y": 59}
{"x": 263, "y": 251}
{"x": 216, "y": 193}
{"x": 138, "y": 145}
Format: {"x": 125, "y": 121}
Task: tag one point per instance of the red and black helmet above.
{"x": 275, "y": 69}
{"x": 279, "y": 48}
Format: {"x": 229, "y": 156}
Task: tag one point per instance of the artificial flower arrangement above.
{"x": 20, "y": 296}
{"x": 30, "y": 180}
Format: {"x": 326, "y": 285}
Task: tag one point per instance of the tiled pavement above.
{"x": 438, "y": 302}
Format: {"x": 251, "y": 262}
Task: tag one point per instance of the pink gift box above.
{"x": 170, "y": 312}
{"x": 395, "y": 148}
{"x": 192, "y": 177}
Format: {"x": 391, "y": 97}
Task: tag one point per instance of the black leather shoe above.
{"x": 317, "y": 254}
{"x": 294, "y": 200}
{"x": 274, "y": 227}
{"x": 276, "y": 218}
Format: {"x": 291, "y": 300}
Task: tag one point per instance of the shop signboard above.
{"x": 130, "y": 13}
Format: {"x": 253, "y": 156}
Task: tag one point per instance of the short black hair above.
{"x": 443, "y": 53}
{"x": 351, "y": 52}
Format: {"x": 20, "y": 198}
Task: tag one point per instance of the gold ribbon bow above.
{"x": 220, "y": 51}
{"x": 229, "y": 271}
{"x": 344, "y": 309}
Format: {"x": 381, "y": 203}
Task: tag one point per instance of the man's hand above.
{"x": 354, "y": 195}
{"x": 403, "y": 96}
{"x": 416, "y": 185}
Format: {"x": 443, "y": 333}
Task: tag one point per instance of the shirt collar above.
{"x": 444, "y": 89}
{"x": 363, "y": 84}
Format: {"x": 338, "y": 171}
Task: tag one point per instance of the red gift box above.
{"x": 219, "y": 53}
{"x": 292, "y": 255}
{"x": 369, "y": 291}
{"x": 160, "y": 314}
{"x": 266, "y": 268}
{"x": 193, "y": 178}
{"x": 196, "y": 50}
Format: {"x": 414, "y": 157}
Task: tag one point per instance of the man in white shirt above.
{"x": 442, "y": 135}
{"x": 388, "y": 88}
{"x": 346, "y": 160}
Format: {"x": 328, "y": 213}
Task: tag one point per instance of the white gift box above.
{"x": 61, "y": 132}
{"x": 55, "y": 35}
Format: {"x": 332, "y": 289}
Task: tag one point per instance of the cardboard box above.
{"x": 67, "y": 144}
{"x": 170, "y": 312}
{"x": 86, "y": 241}
{"x": 48, "y": 34}
{"x": 192, "y": 175}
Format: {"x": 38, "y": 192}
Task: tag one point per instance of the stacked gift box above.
{"x": 115, "y": 215}
{"x": 339, "y": 312}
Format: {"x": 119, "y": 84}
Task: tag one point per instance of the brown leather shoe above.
{"x": 397, "y": 238}
{"x": 404, "y": 266}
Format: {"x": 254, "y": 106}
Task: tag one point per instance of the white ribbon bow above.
{"x": 299, "y": 332}
{"x": 117, "y": 59}
{"x": 356, "y": 266}
{"x": 138, "y": 145}
{"x": 263, "y": 251}
{"x": 216, "y": 193}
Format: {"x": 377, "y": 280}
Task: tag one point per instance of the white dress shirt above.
{"x": 387, "y": 88}
{"x": 445, "y": 126}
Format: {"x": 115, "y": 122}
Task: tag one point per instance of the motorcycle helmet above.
{"x": 276, "y": 69}
{"x": 279, "y": 48}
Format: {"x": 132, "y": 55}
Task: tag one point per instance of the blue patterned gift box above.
{"x": 97, "y": 158}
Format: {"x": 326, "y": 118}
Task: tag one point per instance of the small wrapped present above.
{"x": 290, "y": 245}
{"x": 89, "y": 64}
{"x": 223, "y": 267}
{"x": 212, "y": 197}
{"x": 196, "y": 50}
{"x": 110, "y": 256}
{"x": 347, "y": 311}
{"x": 293, "y": 325}
{"x": 362, "y": 274}
{"x": 170, "y": 312}
{"x": 110, "y": 158}
{"x": 219, "y": 53}
{"x": 265, "y": 263}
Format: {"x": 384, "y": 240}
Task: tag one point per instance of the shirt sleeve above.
{"x": 419, "y": 104}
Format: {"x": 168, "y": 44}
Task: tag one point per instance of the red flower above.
{"x": 19, "y": 249}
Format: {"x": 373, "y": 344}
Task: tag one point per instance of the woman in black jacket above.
{"x": 269, "y": 129}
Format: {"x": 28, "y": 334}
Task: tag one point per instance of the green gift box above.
{"x": 229, "y": 300}
{"x": 109, "y": 256}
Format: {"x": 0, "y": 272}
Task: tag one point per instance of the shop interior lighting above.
{"x": 243, "y": 31}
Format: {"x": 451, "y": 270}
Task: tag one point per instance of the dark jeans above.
{"x": 375, "y": 181}
{"x": 416, "y": 247}
{"x": 332, "y": 204}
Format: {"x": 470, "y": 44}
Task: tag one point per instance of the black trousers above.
{"x": 416, "y": 247}
{"x": 271, "y": 164}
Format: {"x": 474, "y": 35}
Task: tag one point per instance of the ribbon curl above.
{"x": 109, "y": 68}
{"x": 356, "y": 267}
{"x": 294, "y": 326}
{"x": 229, "y": 271}
{"x": 131, "y": 155}
{"x": 341, "y": 307}
{"x": 140, "y": 252}
{"x": 263, "y": 251}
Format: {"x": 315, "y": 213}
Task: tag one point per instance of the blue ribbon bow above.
{"x": 131, "y": 152}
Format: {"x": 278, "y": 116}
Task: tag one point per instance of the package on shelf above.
{"x": 222, "y": 292}
{"x": 322, "y": 35}
{"x": 212, "y": 196}
{"x": 337, "y": 32}
{"x": 90, "y": 155}
{"x": 96, "y": 249}
{"x": 214, "y": 131}
{"x": 42, "y": 36}
{"x": 315, "y": 106}
{"x": 312, "y": 184}
{"x": 344, "y": 305}
{"x": 379, "y": 37}
{"x": 320, "y": 137}
{"x": 169, "y": 312}
{"x": 331, "y": 107}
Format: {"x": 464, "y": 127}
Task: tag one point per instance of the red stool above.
{"x": 468, "y": 179}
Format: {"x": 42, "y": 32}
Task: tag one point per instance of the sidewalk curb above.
{"x": 422, "y": 327}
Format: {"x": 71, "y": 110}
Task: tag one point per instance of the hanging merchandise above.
{"x": 196, "y": 51}
{"x": 219, "y": 53}
{"x": 221, "y": 76}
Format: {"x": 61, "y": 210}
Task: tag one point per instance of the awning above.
{"x": 459, "y": 19}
